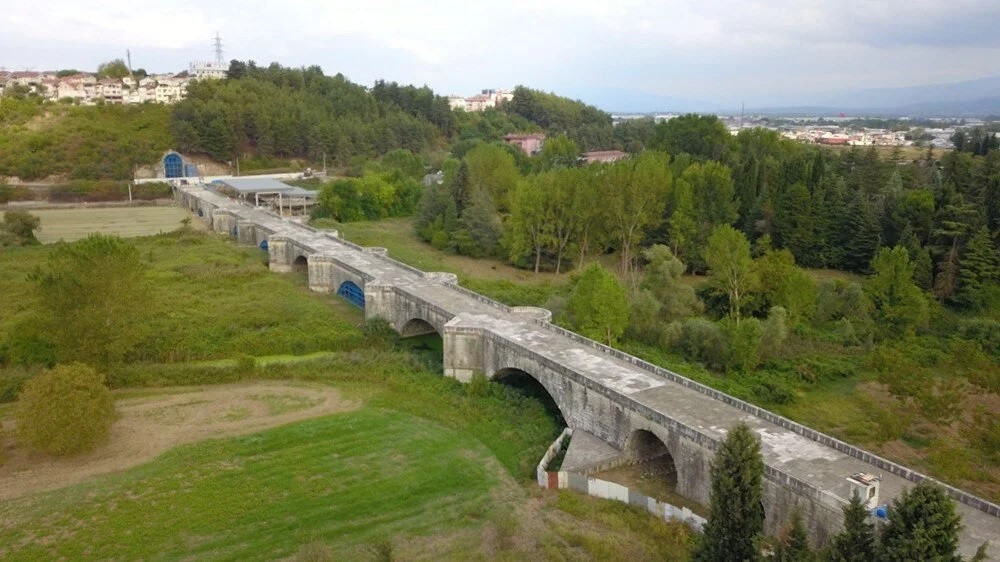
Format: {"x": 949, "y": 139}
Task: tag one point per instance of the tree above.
{"x": 479, "y": 226}
{"x": 702, "y": 136}
{"x": 492, "y": 168}
{"x": 730, "y": 266}
{"x": 662, "y": 298}
{"x": 899, "y": 305}
{"x": 782, "y": 283}
{"x": 712, "y": 191}
{"x": 736, "y": 518}
{"x": 558, "y": 152}
{"x": 856, "y": 543}
{"x": 103, "y": 327}
{"x": 683, "y": 225}
{"x": 636, "y": 190}
{"x": 923, "y": 525}
{"x": 795, "y": 545}
{"x": 116, "y": 69}
{"x": 979, "y": 271}
{"x": 528, "y": 226}
{"x": 18, "y": 229}
{"x": 66, "y": 410}
{"x": 598, "y": 305}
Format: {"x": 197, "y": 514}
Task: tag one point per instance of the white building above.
{"x": 207, "y": 70}
{"x": 484, "y": 100}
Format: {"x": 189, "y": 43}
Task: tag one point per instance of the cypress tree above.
{"x": 980, "y": 267}
{"x": 923, "y": 525}
{"x": 736, "y": 521}
{"x": 856, "y": 543}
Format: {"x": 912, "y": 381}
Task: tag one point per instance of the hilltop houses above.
{"x": 87, "y": 89}
{"x": 484, "y": 100}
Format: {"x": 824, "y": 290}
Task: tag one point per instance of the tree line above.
{"x": 276, "y": 111}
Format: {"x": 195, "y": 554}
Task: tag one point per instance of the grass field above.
{"x": 349, "y": 480}
{"x": 212, "y": 299}
{"x": 127, "y": 222}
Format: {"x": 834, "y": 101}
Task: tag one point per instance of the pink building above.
{"x": 529, "y": 143}
{"x": 603, "y": 156}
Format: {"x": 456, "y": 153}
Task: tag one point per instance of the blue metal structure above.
{"x": 263, "y": 245}
{"x": 352, "y": 293}
{"x": 173, "y": 166}
{"x": 190, "y": 170}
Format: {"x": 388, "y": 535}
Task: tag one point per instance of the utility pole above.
{"x": 324, "y": 163}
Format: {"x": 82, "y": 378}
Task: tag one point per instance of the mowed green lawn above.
{"x": 350, "y": 481}
{"x": 127, "y": 222}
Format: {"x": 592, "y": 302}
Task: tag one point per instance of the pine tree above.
{"x": 946, "y": 280}
{"x": 856, "y": 543}
{"x": 863, "y": 235}
{"x": 920, "y": 257}
{"x": 736, "y": 521}
{"x": 980, "y": 268}
{"x": 923, "y": 525}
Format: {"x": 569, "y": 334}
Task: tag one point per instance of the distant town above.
{"x": 85, "y": 88}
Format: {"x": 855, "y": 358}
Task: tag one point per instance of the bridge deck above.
{"x": 784, "y": 450}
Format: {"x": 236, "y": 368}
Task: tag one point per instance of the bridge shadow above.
{"x": 528, "y": 386}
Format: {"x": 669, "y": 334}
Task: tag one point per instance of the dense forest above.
{"x": 284, "y": 112}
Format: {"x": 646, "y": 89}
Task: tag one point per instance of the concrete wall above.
{"x": 608, "y": 490}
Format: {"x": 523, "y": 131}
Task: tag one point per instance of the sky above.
{"x": 621, "y": 55}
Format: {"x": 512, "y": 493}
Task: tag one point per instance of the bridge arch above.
{"x": 533, "y": 387}
{"x": 645, "y": 447}
{"x": 417, "y": 327}
{"x": 263, "y": 244}
{"x": 300, "y": 264}
{"x": 353, "y": 294}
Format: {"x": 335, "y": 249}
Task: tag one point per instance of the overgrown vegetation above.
{"x": 105, "y": 142}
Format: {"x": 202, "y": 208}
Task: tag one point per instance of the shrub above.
{"x": 702, "y": 340}
{"x": 65, "y": 410}
{"x": 774, "y": 332}
{"x": 744, "y": 344}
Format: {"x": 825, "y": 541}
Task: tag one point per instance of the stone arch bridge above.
{"x": 614, "y": 402}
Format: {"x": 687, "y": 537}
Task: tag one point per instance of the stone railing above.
{"x": 564, "y": 480}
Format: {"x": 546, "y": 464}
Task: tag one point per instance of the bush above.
{"x": 66, "y": 410}
{"x": 702, "y": 340}
{"x": 744, "y": 344}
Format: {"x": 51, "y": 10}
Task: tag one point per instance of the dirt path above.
{"x": 151, "y": 422}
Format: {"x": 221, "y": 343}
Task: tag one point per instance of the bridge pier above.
{"x": 278, "y": 250}
{"x": 223, "y": 221}
{"x": 246, "y": 232}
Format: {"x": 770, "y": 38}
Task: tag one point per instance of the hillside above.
{"x": 39, "y": 140}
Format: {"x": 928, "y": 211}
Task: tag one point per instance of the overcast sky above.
{"x": 617, "y": 54}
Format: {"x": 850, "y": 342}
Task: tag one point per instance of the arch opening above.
{"x": 650, "y": 470}
{"x": 300, "y": 265}
{"x": 352, "y": 294}
{"x": 263, "y": 245}
{"x": 421, "y": 338}
{"x": 525, "y": 384}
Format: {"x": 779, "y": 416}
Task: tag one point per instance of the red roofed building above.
{"x": 530, "y": 143}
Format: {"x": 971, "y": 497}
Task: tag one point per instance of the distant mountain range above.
{"x": 970, "y": 98}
